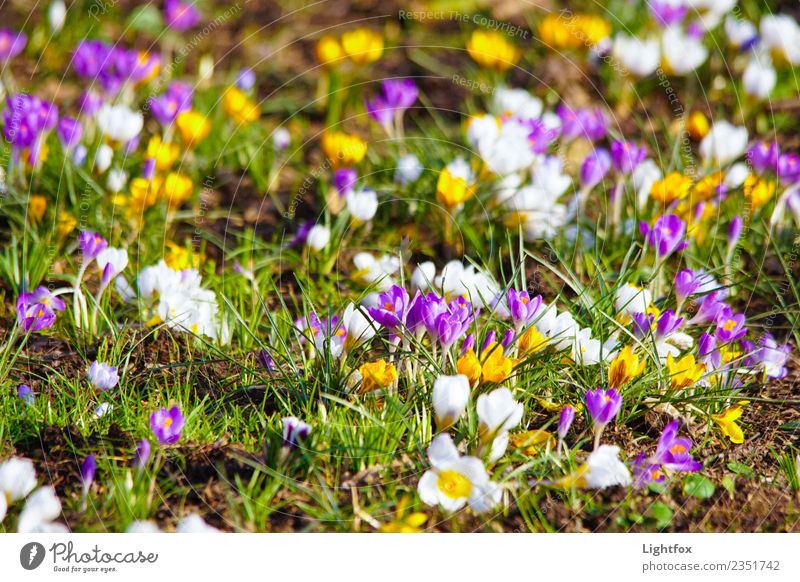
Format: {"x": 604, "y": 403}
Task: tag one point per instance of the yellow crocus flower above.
{"x": 194, "y": 126}
{"x": 674, "y": 186}
{"x": 727, "y": 422}
{"x": 531, "y": 341}
{"x": 758, "y": 191}
{"x": 343, "y": 149}
{"x": 37, "y": 205}
{"x": 579, "y": 30}
{"x": 328, "y": 50}
{"x": 376, "y": 375}
{"x": 697, "y": 125}
{"x": 532, "y": 442}
{"x": 625, "y": 367}
{"x": 362, "y": 45}
{"x": 685, "y": 372}
{"x": 495, "y": 366}
{"x": 177, "y": 189}
{"x": 470, "y": 366}
{"x": 164, "y": 154}
{"x": 453, "y": 191}
{"x": 239, "y": 106}
{"x": 492, "y": 50}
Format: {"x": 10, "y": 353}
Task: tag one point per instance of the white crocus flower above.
{"x": 193, "y": 523}
{"x": 605, "y": 469}
{"x": 17, "y": 480}
{"x": 562, "y": 331}
{"x": 586, "y": 350}
{"x": 516, "y": 103}
{"x": 736, "y": 175}
{"x": 740, "y": 31}
{"x": 281, "y": 138}
{"x": 116, "y": 180}
{"x": 458, "y": 280}
{"x": 630, "y": 299}
{"x": 318, "y": 237}
{"x": 377, "y": 272}
{"x": 363, "y": 204}
{"x": 423, "y": 276}
{"x": 102, "y": 158}
{"x": 759, "y": 77}
{"x": 119, "y": 122}
{"x": 643, "y": 178}
{"x": 359, "y": 326}
{"x": 143, "y": 527}
{"x": 723, "y": 144}
{"x": 638, "y": 57}
{"x": 506, "y": 149}
{"x": 408, "y": 170}
{"x": 682, "y": 53}
{"x": 498, "y": 412}
{"x": 450, "y": 397}
{"x": 56, "y": 15}
{"x": 780, "y": 33}
{"x": 454, "y": 481}
{"x": 39, "y": 513}
{"x": 117, "y": 258}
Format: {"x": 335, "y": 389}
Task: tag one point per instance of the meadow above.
{"x": 443, "y": 266}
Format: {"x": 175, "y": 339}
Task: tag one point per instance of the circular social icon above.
{"x": 31, "y": 555}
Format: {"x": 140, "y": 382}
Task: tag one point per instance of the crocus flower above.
{"x": 727, "y": 422}
{"x": 345, "y": 180}
{"x": 69, "y": 132}
{"x": 490, "y": 339}
{"x": 603, "y": 405}
{"x": 498, "y": 413}
{"x": 246, "y": 79}
{"x": 522, "y": 307}
{"x": 673, "y": 451}
{"x": 710, "y": 308}
{"x": 595, "y": 167}
{"x": 686, "y": 283}
{"x": 25, "y": 393}
{"x": 11, "y": 43}
{"x": 90, "y": 57}
{"x": 735, "y": 231}
{"x": 36, "y": 310}
{"x": 141, "y": 454}
{"x": 468, "y": 343}
{"x": 707, "y": 351}
{"x": 453, "y": 323}
{"x": 377, "y": 375}
{"x": 668, "y": 323}
{"x": 267, "y": 361}
{"x": 450, "y": 397}
{"x": 642, "y": 324}
{"x": 508, "y": 337}
{"x": 89, "y": 103}
{"x": 103, "y": 376}
{"x": 454, "y": 481}
{"x": 624, "y": 368}
{"x": 602, "y": 469}
{"x": 295, "y": 431}
{"x": 565, "y": 419}
{"x": 180, "y": 15}
{"x": 789, "y": 168}
{"x": 176, "y": 100}
{"x": 167, "y": 425}
{"x": 88, "y": 470}
{"x": 730, "y": 327}
{"x": 91, "y": 245}
{"x": 685, "y": 372}
{"x": 667, "y": 13}
{"x": 666, "y": 235}
{"x": 392, "y": 307}
{"x": 626, "y": 156}
{"x": 318, "y": 237}
{"x": 769, "y": 354}
{"x": 764, "y": 156}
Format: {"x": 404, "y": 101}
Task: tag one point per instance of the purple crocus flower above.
{"x": 591, "y": 124}
{"x": 267, "y": 361}
{"x": 103, "y": 376}
{"x": 508, "y": 337}
{"x": 626, "y": 156}
{"x": 431, "y": 307}
{"x": 90, "y": 57}
{"x": 668, "y": 322}
{"x": 180, "y": 15}
{"x": 710, "y": 308}
{"x": 149, "y": 168}
{"x": 36, "y": 310}
{"x": 686, "y": 283}
{"x": 88, "y": 470}
{"x": 522, "y": 306}
{"x": 452, "y": 324}
{"x": 672, "y": 451}
{"x": 11, "y": 43}
{"x": 176, "y": 100}
{"x": 667, "y": 13}
{"x": 769, "y": 354}
{"x": 379, "y": 110}
{"x": 246, "y": 79}
{"x": 89, "y": 103}
{"x": 789, "y": 168}
{"x": 730, "y": 327}
{"x": 392, "y": 307}
{"x": 565, "y": 421}
{"x": 91, "y": 245}
{"x": 764, "y": 156}
{"x": 707, "y": 351}
{"x": 25, "y": 119}
{"x": 400, "y": 94}
{"x": 69, "y": 132}
{"x": 645, "y": 471}
{"x": 294, "y": 431}
{"x": 735, "y": 230}
{"x": 595, "y": 167}
{"x": 603, "y": 405}
{"x": 167, "y": 425}
{"x": 468, "y": 343}
{"x": 642, "y": 324}
{"x": 540, "y": 136}
{"x": 490, "y": 338}
{"x": 666, "y": 235}
{"x": 25, "y": 393}
{"x": 141, "y": 454}
{"x": 345, "y": 180}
